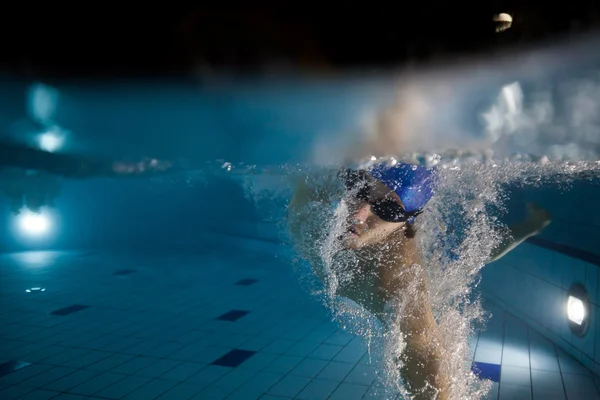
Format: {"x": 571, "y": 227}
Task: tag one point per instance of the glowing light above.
{"x": 503, "y": 21}
{"x": 34, "y": 224}
{"x": 43, "y": 101}
{"x": 576, "y": 310}
{"x": 35, "y": 289}
{"x": 51, "y": 141}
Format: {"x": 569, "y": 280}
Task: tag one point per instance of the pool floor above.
{"x": 96, "y": 325}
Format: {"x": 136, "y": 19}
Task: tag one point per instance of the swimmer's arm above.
{"x": 537, "y": 219}
{"x": 423, "y": 355}
{"x": 306, "y": 232}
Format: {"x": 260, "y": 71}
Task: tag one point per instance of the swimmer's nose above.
{"x": 361, "y": 213}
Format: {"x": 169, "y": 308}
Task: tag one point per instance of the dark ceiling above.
{"x": 97, "y": 40}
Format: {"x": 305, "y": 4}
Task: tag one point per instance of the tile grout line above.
{"x": 523, "y": 317}
{"x": 502, "y": 352}
{"x": 560, "y": 370}
{"x": 529, "y": 360}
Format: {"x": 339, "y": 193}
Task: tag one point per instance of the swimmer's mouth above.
{"x": 352, "y": 231}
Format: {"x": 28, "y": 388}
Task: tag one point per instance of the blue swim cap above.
{"x": 412, "y": 183}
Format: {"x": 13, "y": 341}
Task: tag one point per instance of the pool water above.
{"x": 186, "y": 285}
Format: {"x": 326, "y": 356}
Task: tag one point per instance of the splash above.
{"x": 456, "y": 236}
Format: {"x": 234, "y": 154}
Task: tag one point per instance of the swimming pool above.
{"x": 184, "y": 285}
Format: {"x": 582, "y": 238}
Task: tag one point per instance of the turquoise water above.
{"x": 149, "y": 282}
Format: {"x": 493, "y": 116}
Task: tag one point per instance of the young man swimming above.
{"x": 382, "y": 204}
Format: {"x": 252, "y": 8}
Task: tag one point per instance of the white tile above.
{"x": 514, "y": 330}
{"x": 208, "y": 375}
{"x": 97, "y": 384}
{"x": 123, "y": 387}
{"x": 335, "y": 371}
{"x": 540, "y": 345}
{"x": 491, "y": 354}
{"x": 158, "y": 368}
{"x": 283, "y": 364}
{"x": 348, "y": 391}
{"x": 514, "y": 392}
{"x": 515, "y": 355}
{"x": 317, "y": 389}
{"x": 289, "y": 386}
{"x": 256, "y": 386}
{"x": 302, "y": 349}
{"x": 544, "y": 362}
{"x": 39, "y": 394}
{"x": 339, "y": 338}
{"x": 182, "y": 391}
{"x": 151, "y": 390}
{"x": 361, "y": 375}
{"x": 515, "y": 376}
{"x": 309, "y": 368}
{"x": 546, "y": 380}
{"x": 70, "y": 381}
{"x": 549, "y": 395}
{"x": 350, "y": 354}
{"x": 580, "y": 386}
{"x": 493, "y": 393}
{"x": 591, "y": 281}
{"x": 326, "y": 352}
{"x": 568, "y": 365}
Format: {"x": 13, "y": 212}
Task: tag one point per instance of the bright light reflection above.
{"x": 51, "y": 141}
{"x": 33, "y": 224}
{"x": 575, "y": 310}
{"x": 35, "y": 289}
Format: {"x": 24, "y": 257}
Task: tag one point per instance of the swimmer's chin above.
{"x": 351, "y": 243}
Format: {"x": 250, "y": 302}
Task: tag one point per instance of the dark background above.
{"x": 100, "y": 39}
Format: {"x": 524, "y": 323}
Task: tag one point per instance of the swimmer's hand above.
{"x": 537, "y": 218}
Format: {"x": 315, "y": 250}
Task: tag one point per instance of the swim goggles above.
{"x": 358, "y": 185}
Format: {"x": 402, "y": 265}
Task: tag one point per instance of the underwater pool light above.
{"x": 34, "y": 224}
{"x": 51, "y": 141}
{"x": 578, "y": 309}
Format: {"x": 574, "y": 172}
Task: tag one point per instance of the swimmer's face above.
{"x": 363, "y": 226}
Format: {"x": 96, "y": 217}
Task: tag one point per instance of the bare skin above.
{"x": 384, "y": 249}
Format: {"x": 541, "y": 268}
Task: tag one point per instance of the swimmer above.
{"x": 29, "y": 176}
{"x": 383, "y": 203}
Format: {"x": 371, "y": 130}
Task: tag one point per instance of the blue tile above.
{"x": 69, "y": 310}
{"x": 11, "y": 366}
{"x": 234, "y": 358}
{"x": 232, "y": 315}
{"x": 486, "y": 371}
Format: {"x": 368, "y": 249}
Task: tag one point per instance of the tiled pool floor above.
{"x": 194, "y": 326}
